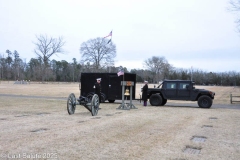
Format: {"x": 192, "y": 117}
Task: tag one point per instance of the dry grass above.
{"x": 64, "y": 89}
{"x": 38, "y": 126}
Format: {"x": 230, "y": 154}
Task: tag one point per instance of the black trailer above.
{"x": 110, "y": 85}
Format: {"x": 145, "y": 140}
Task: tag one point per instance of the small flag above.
{"x": 110, "y": 34}
{"x": 120, "y": 73}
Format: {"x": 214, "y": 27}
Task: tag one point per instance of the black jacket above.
{"x": 144, "y": 92}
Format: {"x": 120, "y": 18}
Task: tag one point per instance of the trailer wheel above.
{"x": 103, "y": 97}
{"x": 71, "y": 104}
{"x": 204, "y": 102}
{"x": 111, "y": 101}
{"x": 155, "y": 100}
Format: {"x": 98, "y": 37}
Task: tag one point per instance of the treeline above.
{"x": 97, "y": 55}
{"x": 200, "y": 77}
{"x": 14, "y": 68}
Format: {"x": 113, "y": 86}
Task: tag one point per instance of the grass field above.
{"x": 41, "y": 127}
{"x": 64, "y": 89}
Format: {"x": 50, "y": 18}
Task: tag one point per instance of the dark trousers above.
{"x": 144, "y": 103}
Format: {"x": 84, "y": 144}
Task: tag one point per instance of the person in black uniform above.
{"x": 97, "y": 87}
{"x": 144, "y": 93}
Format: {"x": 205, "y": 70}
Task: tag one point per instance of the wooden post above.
{"x": 131, "y": 106}
{"x": 123, "y": 105}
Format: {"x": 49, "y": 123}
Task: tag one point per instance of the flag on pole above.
{"x": 120, "y": 73}
{"x": 110, "y": 34}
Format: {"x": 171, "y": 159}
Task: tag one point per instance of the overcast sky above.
{"x": 189, "y": 33}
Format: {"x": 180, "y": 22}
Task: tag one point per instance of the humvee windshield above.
{"x": 160, "y": 85}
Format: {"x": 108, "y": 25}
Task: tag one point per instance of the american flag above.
{"x": 110, "y": 34}
{"x": 120, "y": 73}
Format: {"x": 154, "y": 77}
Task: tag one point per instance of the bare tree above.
{"x": 159, "y": 66}
{"x": 9, "y": 62}
{"x": 47, "y": 47}
{"x": 98, "y": 52}
{"x": 16, "y": 65}
{"x": 235, "y": 7}
{"x": 3, "y": 65}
